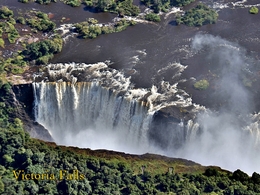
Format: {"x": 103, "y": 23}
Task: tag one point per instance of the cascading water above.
{"x": 93, "y": 116}
{"x": 106, "y": 111}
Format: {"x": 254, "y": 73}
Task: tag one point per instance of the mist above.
{"x": 225, "y": 139}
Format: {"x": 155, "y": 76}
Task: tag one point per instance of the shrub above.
{"x": 201, "y": 85}
{"x": 198, "y": 16}
{"x": 2, "y": 43}
{"x": 23, "y": 1}
{"x": 5, "y": 12}
{"x": 21, "y": 20}
{"x": 253, "y": 10}
{"x": 153, "y": 17}
{"x": 73, "y": 3}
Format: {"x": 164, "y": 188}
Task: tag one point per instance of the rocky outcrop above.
{"x": 23, "y": 102}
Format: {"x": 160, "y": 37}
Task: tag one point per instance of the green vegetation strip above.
{"x": 198, "y": 16}
{"x": 91, "y": 29}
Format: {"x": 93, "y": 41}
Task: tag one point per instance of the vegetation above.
{"x": 45, "y": 1}
{"x": 44, "y": 50}
{"x": 253, "y": 10}
{"x": 201, "y": 85}
{"x": 164, "y": 5}
{"x": 5, "y": 12}
{"x": 41, "y": 22}
{"x": 126, "y": 7}
{"x": 91, "y": 29}
{"x": 23, "y": 1}
{"x": 73, "y": 3}
{"x": 21, "y": 20}
{"x": 7, "y": 28}
{"x": 153, "y": 17}
{"x": 198, "y": 16}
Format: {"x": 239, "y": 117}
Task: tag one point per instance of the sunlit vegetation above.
{"x": 14, "y": 65}
{"x": 253, "y": 10}
{"x": 201, "y": 84}
{"x": 152, "y": 17}
{"x": 9, "y": 29}
{"x": 45, "y": 1}
{"x": 91, "y": 29}
{"x": 41, "y": 22}
{"x": 2, "y": 43}
{"x": 44, "y": 50}
{"x": 5, "y": 12}
{"x": 21, "y": 20}
{"x": 198, "y": 16}
{"x": 73, "y": 3}
{"x": 23, "y": 1}
{"x": 164, "y": 5}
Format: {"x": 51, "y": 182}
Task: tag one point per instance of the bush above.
{"x": 73, "y": 3}
{"x": 45, "y": 1}
{"x": 198, "y": 16}
{"x": 5, "y": 12}
{"x": 2, "y": 43}
{"x": 127, "y": 8}
{"x": 21, "y": 20}
{"x": 153, "y": 17}
{"x": 201, "y": 85}
{"x": 23, "y": 1}
{"x": 164, "y": 5}
{"x": 253, "y": 10}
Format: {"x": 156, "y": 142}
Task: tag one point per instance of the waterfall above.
{"x": 87, "y": 115}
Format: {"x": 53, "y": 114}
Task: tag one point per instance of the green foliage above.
{"x": 91, "y": 29}
{"x": 253, "y": 10}
{"x": 41, "y": 22}
{"x": 198, "y": 16}
{"x": 201, "y": 85}
{"x": 240, "y": 176}
{"x": 45, "y": 1}
{"x": 21, "y": 20}
{"x": 43, "y": 51}
{"x": 23, "y": 1}
{"x": 211, "y": 172}
{"x": 73, "y": 3}
{"x": 2, "y": 43}
{"x": 5, "y": 12}
{"x": 12, "y": 65}
{"x": 126, "y": 7}
{"x": 164, "y": 5}
{"x": 153, "y": 17}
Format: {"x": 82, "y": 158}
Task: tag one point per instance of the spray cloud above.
{"x": 224, "y": 137}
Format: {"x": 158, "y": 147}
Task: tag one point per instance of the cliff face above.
{"x": 22, "y": 100}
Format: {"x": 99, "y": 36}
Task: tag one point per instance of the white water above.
{"x": 87, "y": 115}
